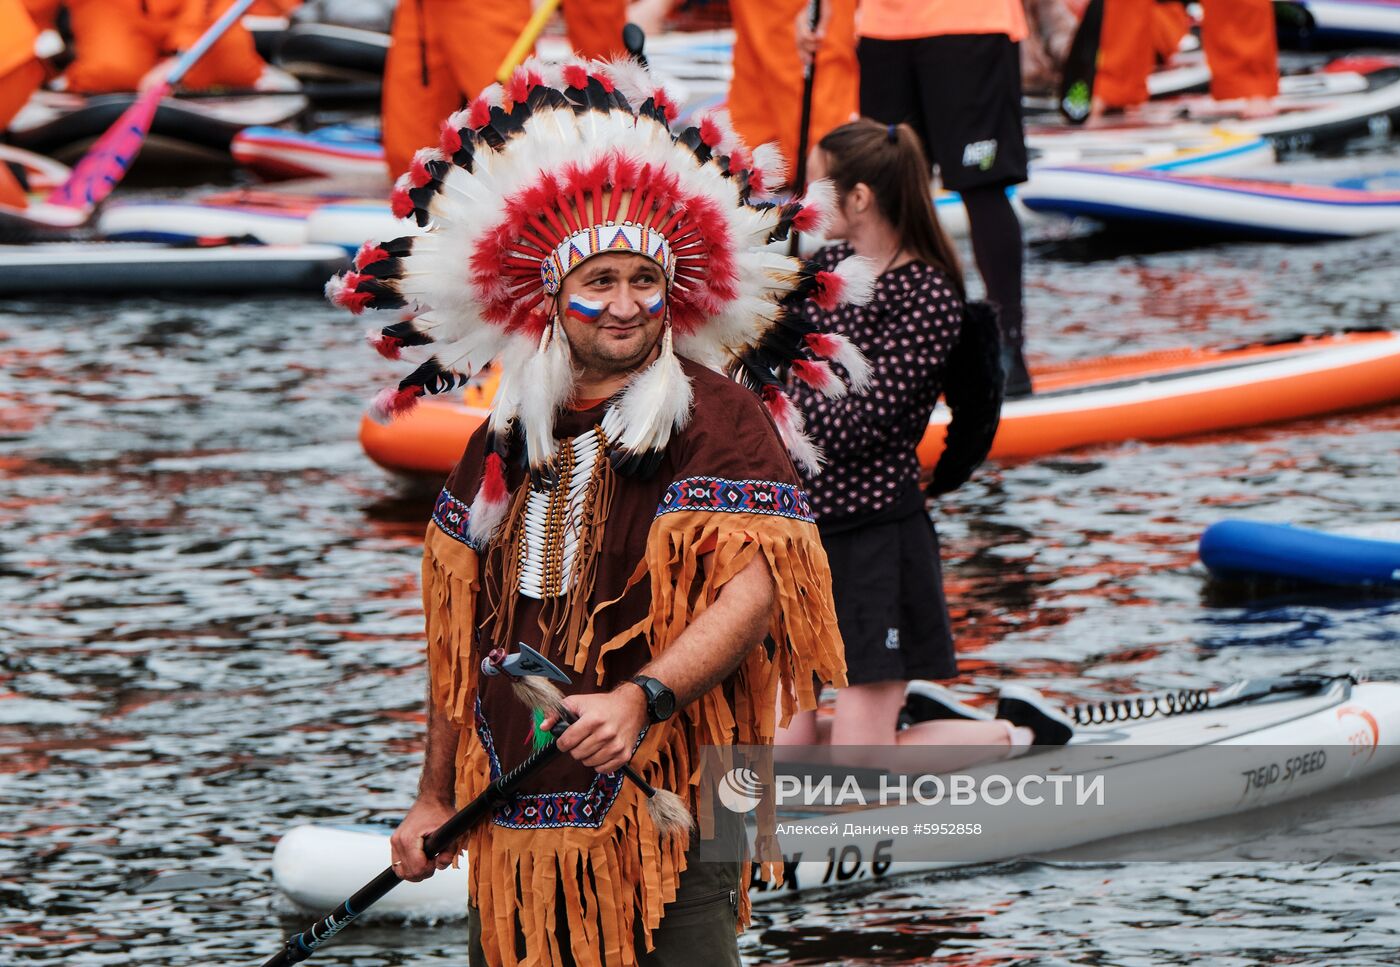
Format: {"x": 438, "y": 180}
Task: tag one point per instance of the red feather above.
{"x": 822, "y": 344}
{"x": 830, "y": 288}
{"x": 710, "y": 133}
{"x": 479, "y": 113}
{"x": 493, "y": 480}
{"x": 418, "y": 174}
{"x": 807, "y": 218}
{"x": 575, "y": 76}
{"x": 816, "y": 375}
{"x": 451, "y": 141}
{"x": 369, "y": 253}
{"x": 390, "y": 347}
{"x": 400, "y": 204}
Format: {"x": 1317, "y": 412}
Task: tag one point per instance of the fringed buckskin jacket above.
{"x": 602, "y": 572}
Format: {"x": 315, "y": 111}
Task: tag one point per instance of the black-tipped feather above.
{"x": 406, "y": 334}
{"x": 637, "y": 464}
{"x": 433, "y": 378}
{"x": 383, "y": 294}
{"x": 691, "y": 139}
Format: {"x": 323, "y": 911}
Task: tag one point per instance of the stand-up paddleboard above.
{"x": 1149, "y": 396}
{"x": 316, "y": 867}
{"x": 62, "y": 125}
{"x": 41, "y": 174}
{"x": 1347, "y": 98}
{"x": 177, "y": 221}
{"x": 329, "y": 52}
{"x": 1233, "y": 207}
{"x": 342, "y": 212}
{"x": 65, "y": 268}
{"x": 1258, "y": 552}
{"x": 339, "y": 150}
{"x": 1359, "y": 23}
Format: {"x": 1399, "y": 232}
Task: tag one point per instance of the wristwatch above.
{"x": 661, "y": 701}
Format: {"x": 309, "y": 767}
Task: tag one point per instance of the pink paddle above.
{"x": 107, "y": 161}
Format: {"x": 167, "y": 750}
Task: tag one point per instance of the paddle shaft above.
{"x": 809, "y": 78}
{"x": 208, "y": 39}
{"x": 1081, "y": 64}
{"x": 302, "y": 945}
{"x": 107, "y": 161}
{"x": 526, "y": 40}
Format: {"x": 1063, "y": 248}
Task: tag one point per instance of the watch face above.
{"x": 665, "y": 704}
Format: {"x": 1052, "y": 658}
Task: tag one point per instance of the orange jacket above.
{"x": 17, "y": 34}
{"x": 906, "y": 19}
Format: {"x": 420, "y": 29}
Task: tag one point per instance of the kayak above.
{"x": 63, "y": 125}
{"x": 1247, "y": 550}
{"x": 1148, "y": 396}
{"x": 341, "y": 149}
{"x": 317, "y": 866}
{"x": 1346, "y": 98}
{"x": 62, "y": 268}
{"x": 1233, "y": 207}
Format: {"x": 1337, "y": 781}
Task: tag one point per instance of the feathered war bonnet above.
{"x": 574, "y": 160}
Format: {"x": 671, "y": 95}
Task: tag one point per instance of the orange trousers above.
{"x": 116, "y": 43}
{"x": 446, "y": 51}
{"x": 765, "y": 96}
{"x": 16, "y": 87}
{"x": 1238, "y": 37}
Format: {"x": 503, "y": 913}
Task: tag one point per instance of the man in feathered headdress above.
{"x": 630, "y": 508}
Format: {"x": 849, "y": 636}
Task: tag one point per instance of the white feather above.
{"x": 804, "y": 452}
{"x": 858, "y": 275}
{"x": 549, "y": 377}
{"x": 769, "y": 159}
{"x": 656, "y": 402}
{"x": 821, "y": 196}
{"x": 853, "y": 361}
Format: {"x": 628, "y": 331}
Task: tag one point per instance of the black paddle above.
{"x": 1077, "y": 83}
{"x": 809, "y": 76}
{"x": 302, "y": 945}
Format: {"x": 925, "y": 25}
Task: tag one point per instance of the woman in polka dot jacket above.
{"x": 881, "y": 542}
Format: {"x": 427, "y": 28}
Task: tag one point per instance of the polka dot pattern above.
{"x": 906, "y": 331}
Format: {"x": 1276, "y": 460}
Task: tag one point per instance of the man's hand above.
{"x": 606, "y": 727}
{"x": 809, "y": 40}
{"x": 156, "y": 75}
{"x": 406, "y": 845}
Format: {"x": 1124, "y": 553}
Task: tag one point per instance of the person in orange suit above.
{"x": 765, "y": 95}
{"x": 21, "y": 73}
{"x": 125, "y": 45}
{"x": 1238, "y": 37}
{"x": 446, "y": 51}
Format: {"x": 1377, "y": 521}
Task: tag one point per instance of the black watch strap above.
{"x": 661, "y": 701}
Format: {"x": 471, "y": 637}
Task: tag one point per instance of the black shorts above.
{"x": 888, "y": 585}
{"x": 962, "y": 93}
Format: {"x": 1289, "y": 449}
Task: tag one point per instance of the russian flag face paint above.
{"x": 655, "y": 305}
{"x": 584, "y": 310}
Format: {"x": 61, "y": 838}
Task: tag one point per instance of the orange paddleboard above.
{"x": 1149, "y": 396}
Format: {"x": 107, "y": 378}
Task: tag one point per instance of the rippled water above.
{"x": 208, "y": 624}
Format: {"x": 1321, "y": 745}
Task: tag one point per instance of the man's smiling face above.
{"x": 613, "y": 308}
